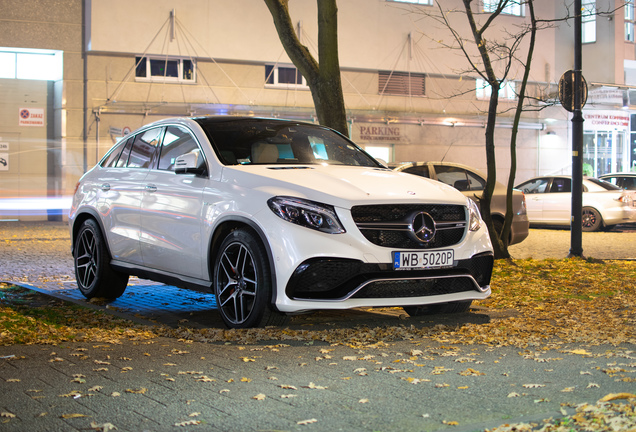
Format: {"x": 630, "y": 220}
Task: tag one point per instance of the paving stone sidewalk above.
{"x": 167, "y": 384}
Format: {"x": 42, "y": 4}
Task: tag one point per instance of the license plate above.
{"x": 423, "y": 260}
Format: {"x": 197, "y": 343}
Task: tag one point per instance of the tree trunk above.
{"x": 323, "y": 78}
{"x": 499, "y": 248}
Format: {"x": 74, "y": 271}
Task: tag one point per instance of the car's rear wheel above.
{"x": 592, "y": 220}
{"x": 439, "y": 308}
{"x": 243, "y": 282}
{"x": 95, "y": 277}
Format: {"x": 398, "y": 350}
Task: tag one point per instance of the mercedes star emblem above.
{"x": 423, "y": 227}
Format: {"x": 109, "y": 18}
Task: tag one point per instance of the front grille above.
{"x": 415, "y": 288}
{"x": 390, "y": 225}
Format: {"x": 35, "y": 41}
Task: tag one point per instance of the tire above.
{"x": 95, "y": 277}
{"x": 440, "y": 308}
{"x": 243, "y": 282}
{"x": 592, "y": 220}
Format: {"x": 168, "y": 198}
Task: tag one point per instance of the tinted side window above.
{"x": 178, "y": 141}
{"x": 561, "y": 185}
{"x": 420, "y": 170}
{"x": 123, "y": 158}
{"x": 628, "y": 183}
{"x": 111, "y": 158}
{"x": 144, "y": 148}
{"x": 459, "y": 178}
{"x": 534, "y": 186}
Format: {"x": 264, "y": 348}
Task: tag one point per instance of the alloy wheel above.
{"x": 237, "y": 283}
{"x": 87, "y": 259}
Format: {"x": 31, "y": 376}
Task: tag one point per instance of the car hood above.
{"x": 341, "y": 186}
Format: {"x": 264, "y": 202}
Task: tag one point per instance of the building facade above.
{"x": 87, "y": 72}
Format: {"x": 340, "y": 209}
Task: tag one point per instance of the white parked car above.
{"x": 275, "y": 217}
{"x": 622, "y": 180}
{"x": 549, "y": 201}
{"x": 472, "y": 183}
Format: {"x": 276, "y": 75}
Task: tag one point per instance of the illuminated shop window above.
{"x": 31, "y": 64}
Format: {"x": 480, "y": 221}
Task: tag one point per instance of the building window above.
{"x": 514, "y": 7}
{"x": 401, "y": 83}
{"x": 629, "y": 20}
{"x": 506, "y": 90}
{"x": 164, "y": 69}
{"x": 588, "y": 21}
{"x": 423, "y": 2}
{"x": 284, "y": 76}
{"x": 22, "y": 63}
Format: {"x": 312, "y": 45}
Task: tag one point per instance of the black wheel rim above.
{"x": 87, "y": 259}
{"x": 236, "y": 284}
{"x": 589, "y": 219}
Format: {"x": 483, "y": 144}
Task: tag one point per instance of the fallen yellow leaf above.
{"x": 306, "y": 422}
{"x": 614, "y": 396}
{"x": 70, "y": 416}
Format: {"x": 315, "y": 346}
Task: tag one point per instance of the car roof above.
{"x": 619, "y": 174}
{"x": 212, "y": 119}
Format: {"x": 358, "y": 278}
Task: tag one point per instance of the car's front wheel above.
{"x": 95, "y": 277}
{"x": 243, "y": 283}
{"x": 592, "y": 219}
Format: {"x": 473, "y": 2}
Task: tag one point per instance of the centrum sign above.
{"x": 606, "y": 120}
{"x": 380, "y": 133}
{"x": 31, "y": 117}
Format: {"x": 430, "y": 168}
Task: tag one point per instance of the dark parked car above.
{"x": 471, "y": 182}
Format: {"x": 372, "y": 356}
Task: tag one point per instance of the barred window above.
{"x": 506, "y": 90}
{"x": 514, "y": 7}
{"x": 588, "y": 21}
{"x": 166, "y": 69}
{"x": 629, "y": 20}
{"x": 286, "y": 76}
{"x": 402, "y": 83}
{"x": 424, "y": 2}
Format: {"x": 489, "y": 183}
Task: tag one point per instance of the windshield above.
{"x": 274, "y": 142}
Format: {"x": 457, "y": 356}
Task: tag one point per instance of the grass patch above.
{"x": 545, "y": 303}
{"x": 28, "y": 317}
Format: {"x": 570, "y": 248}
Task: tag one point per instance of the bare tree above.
{"x": 323, "y": 76}
{"x": 492, "y": 59}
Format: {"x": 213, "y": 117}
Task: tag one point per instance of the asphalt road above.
{"x": 168, "y": 384}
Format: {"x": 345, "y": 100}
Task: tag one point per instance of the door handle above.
{"x": 151, "y": 188}
{"x": 105, "y": 187}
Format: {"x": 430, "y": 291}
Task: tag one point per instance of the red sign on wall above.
{"x": 31, "y": 117}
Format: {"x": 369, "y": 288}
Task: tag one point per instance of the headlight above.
{"x": 474, "y": 221}
{"x": 310, "y": 214}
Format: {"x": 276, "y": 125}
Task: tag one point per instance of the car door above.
{"x": 171, "y": 237}
{"x": 535, "y": 194}
{"x": 557, "y": 201}
{"x": 120, "y": 193}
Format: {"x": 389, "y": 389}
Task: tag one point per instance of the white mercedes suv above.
{"x": 275, "y": 217}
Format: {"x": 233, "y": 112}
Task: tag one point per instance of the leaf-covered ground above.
{"x": 536, "y": 303}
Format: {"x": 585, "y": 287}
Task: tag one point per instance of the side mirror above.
{"x": 189, "y": 164}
